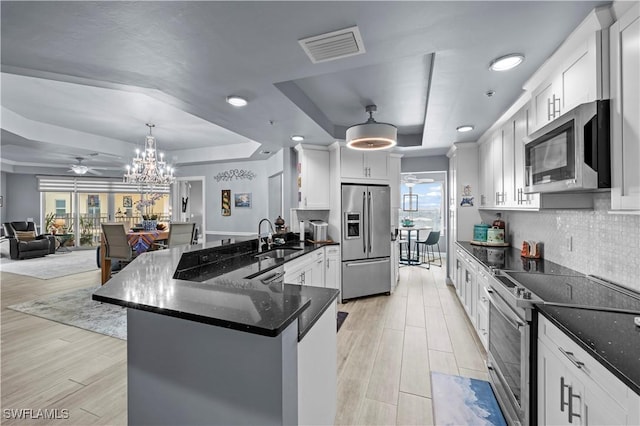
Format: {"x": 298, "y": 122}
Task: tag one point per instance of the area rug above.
{"x": 464, "y": 401}
{"x": 341, "y": 317}
{"x": 77, "y": 309}
{"x": 53, "y": 265}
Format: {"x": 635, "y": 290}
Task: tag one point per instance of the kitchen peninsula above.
{"x": 216, "y": 337}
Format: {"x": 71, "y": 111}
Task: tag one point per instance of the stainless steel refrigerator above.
{"x": 366, "y": 240}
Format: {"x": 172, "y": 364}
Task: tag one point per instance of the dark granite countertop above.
{"x": 580, "y": 306}
{"x": 610, "y": 337}
{"x": 216, "y": 285}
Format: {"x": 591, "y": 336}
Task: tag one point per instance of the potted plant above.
{"x": 86, "y": 234}
{"x": 145, "y": 206}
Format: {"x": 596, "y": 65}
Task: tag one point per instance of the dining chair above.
{"x": 116, "y": 243}
{"x": 180, "y": 233}
{"x": 432, "y": 240}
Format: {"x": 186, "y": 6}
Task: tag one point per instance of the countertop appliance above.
{"x": 572, "y": 152}
{"x": 366, "y": 249}
{"x": 319, "y": 230}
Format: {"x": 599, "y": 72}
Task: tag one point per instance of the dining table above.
{"x": 409, "y": 230}
{"x": 140, "y": 242}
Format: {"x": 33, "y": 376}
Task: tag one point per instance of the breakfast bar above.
{"x": 214, "y": 338}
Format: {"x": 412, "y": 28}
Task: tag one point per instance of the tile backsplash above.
{"x": 602, "y": 244}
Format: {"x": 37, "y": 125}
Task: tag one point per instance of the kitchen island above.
{"x": 213, "y": 338}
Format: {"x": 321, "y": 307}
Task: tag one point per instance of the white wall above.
{"x": 242, "y": 220}
{"x": 3, "y": 192}
{"x": 22, "y": 199}
{"x": 424, "y": 164}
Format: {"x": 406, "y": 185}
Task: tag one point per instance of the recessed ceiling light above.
{"x": 506, "y": 62}
{"x": 236, "y": 101}
{"x": 465, "y": 128}
{"x": 297, "y": 138}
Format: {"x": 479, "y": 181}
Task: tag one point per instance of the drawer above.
{"x": 591, "y": 369}
{"x": 333, "y": 251}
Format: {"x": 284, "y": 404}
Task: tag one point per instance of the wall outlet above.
{"x": 569, "y": 243}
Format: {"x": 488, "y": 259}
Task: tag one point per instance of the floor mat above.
{"x": 464, "y": 401}
{"x": 341, "y": 317}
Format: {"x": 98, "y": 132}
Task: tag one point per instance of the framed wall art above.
{"x": 127, "y": 202}
{"x": 226, "y": 202}
{"x": 242, "y": 199}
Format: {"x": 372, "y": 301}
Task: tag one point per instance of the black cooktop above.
{"x": 578, "y": 290}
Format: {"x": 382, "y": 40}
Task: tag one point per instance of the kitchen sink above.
{"x": 278, "y": 253}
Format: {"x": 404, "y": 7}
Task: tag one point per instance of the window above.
{"x": 61, "y": 207}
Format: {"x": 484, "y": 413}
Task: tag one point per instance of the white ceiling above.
{"x": 80, "y": 78}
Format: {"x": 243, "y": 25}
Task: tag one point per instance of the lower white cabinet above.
{"x": 306, "y": 270}
{"x": 482, "y": 307}
{"x": 573, "y": 388}
{"x": 332, "y": 270}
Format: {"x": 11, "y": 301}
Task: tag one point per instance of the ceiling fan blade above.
{"x": 94, "y": 172}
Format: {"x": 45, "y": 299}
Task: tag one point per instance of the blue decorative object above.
{"x": 149, "y": 225}
{"x": 464, "y": 401}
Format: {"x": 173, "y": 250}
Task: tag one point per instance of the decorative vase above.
{"x": 149, "y": 225}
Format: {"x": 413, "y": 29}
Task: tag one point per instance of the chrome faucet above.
{"x": 268, "y": 235}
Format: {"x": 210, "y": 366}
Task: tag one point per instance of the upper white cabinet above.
{"x": 313, "y": 177}
{"x": 362, "y": 165}
{"x": 575, "y": 74}
{"x": 625, "y": 111}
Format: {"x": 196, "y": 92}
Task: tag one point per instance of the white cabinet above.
{"x": 485, "y": 168}
{"x": 359, "y": 165}
{"x": 306, "y": 270}
{"x": 333, "y": 270}
{"x": 574, "y": 388}
{"x": 466, "y": 286}
{"x": 313, "y": 177}
{"x": 520, "y": 125}
{"x": 625, "y": 111}
{"x": 577, "y": 79}
{"x": 482, "y": 307}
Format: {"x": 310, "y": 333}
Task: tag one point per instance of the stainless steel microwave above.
{"x": 571, "y": 153}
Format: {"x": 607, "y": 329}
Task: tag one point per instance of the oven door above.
{"x": 509, "y": 358}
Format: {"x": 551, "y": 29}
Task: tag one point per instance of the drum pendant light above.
{"x": 371, "y": 136}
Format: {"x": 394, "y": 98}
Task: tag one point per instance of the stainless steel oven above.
{"x": 509, "y": 362}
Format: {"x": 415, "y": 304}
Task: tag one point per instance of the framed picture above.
{"x": 127, "y": 202}
{"x": 226, "y": 202}
{"x": 93, "y": 200}
{"x": 243, "y": 199}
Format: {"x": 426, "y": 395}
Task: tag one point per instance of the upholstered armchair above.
{"x": 24, "y": 243}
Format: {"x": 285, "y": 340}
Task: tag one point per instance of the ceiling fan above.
{"x": 81, "y": 169}
{"x": 411, "y": 180}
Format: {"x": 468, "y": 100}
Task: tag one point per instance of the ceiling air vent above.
{"x": 333, "y": 45}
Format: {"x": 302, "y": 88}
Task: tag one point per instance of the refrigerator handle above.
{"x": 364, "y": 204}
{"x": 369, "y": 221}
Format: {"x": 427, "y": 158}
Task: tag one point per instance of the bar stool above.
{"x": 432, "y": 240}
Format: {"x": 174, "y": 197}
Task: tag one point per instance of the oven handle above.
{"x": 517, "y": 324}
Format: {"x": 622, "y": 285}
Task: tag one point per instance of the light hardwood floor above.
{"x": 387, "y": 347}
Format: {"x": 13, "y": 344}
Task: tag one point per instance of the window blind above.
{"x": 84, "y": 184}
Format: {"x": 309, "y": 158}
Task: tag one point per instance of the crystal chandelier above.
{"x": 147, "y": 168}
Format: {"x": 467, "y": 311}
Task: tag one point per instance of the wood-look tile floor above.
{"x": 387, "y": 347}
